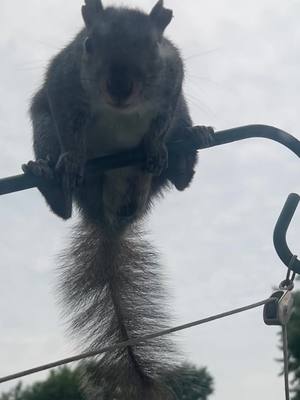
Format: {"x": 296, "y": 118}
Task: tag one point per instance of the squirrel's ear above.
{"x": 91, "y": 11}
{"x": 160, "y": 16}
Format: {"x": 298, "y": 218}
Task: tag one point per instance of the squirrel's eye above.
{"x": 88, "y": 45}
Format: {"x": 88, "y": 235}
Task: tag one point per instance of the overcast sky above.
{"x": 242, "y": 66}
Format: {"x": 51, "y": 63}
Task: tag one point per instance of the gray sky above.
{"x": 242, "y": 66}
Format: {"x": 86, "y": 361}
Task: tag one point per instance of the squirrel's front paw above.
{"x": 156, "y": 160}
{"x": 70, "y": 166}
{"x": 202, "y": 136}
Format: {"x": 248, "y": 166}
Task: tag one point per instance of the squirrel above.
{"x": 117, "y": 85}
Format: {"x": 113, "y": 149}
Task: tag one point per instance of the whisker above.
{"x": 202, "y": 54}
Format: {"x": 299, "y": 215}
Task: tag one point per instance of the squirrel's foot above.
{"x": 40, "y": 168}
{"x": 50, "y": 187}
{"x": 156, "y": 159}
{"x": 182, "y": 162}
{"x": 182, "y": 174}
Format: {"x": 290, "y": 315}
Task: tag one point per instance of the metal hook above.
{"x": 279, "y": 236}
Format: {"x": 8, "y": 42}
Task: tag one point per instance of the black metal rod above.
{"x": 258, "y": 131}
{"x": 136, "y": 157}
{"x": 280, "y": 231}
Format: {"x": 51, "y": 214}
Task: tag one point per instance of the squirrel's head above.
{"x": 122, "y": 52}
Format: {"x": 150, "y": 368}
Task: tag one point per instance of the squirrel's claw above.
{"x": 202, "y": 136}
{"x": 40, "y": 168}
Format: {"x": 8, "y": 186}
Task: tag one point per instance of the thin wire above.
{"x": 133, "y": 342}
{"x": 286, "y": 361}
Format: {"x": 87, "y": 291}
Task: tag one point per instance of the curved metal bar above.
{"x": 280, "y": 231}
{"x": 136, "y": 156}
{"x": 258, "y": 131}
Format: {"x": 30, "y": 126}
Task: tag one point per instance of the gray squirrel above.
{"x": 116, "y": 86}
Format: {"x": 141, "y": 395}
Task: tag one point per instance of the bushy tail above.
{"x": 112, "y": 292}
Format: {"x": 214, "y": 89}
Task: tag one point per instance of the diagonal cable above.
{"x": 133, "y": 342}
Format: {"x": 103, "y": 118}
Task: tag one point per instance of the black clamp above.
{"x": 278, "y": 311}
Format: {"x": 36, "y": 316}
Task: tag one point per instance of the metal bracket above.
{"x": 280, "y": 231}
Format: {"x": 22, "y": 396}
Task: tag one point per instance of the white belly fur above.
{"x": 112, "y": 131}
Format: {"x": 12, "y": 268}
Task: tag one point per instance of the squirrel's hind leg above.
{"x": 49, "y": 186}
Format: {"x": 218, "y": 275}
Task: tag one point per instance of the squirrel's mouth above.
{"x": 123, "y": 108}
{"x": 120, "y": 106}
{"x": 122, "y": 95}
